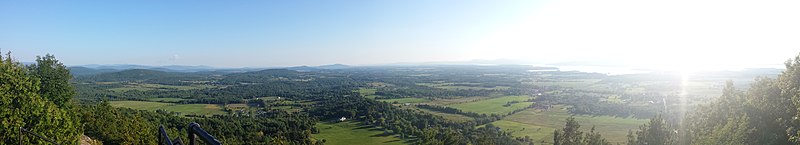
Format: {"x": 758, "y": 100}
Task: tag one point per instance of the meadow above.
{"x": 540, "y": 124}
{"x": 494, "y": 105}
{"x": 349, "y": 133}
{"x": 199, "y": 109}
{"x": 405, "y": 100}
{"x": 448, "y": 116}
{"x": 167, "y": 100}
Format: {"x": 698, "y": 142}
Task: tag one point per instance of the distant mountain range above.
{"x": 93, "y": 69}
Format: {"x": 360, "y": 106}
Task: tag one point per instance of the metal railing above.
{"x": 22, "y": 132}
{"x": 193, "y": 131}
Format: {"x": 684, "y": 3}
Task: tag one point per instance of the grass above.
{"x": 352, "y": 133}
{"x": 168, "y": 100}
{"x": 540, "y": 124}
{"x": 405, "y": 100}
{"x": 199, "y": 109}
{"x": 494, "y": 105}
{"x": 537, "y": 133}
{"x": 456, "y": 100}
{"x": 237, "y": 106}
{"x": 448, "y": 116}
{"x": 366, "y": 91}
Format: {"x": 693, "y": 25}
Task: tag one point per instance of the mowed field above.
{"x": 169, "y": 100}
{"x": 349, "y": 133}
{"x": 199, "y": 109}
{"x": 405, "y": 100}
{"x": 494, "y": 105}
{"x": 540, "y": 124}
{"x": 448, "y": 116}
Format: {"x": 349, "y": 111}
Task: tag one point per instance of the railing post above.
{"x": 194, "y": 130}
{"x": 162, "y": 136}
{"x": 191, "y": 136}
{"x": 20, "y": 135}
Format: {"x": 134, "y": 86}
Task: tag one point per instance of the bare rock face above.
{"x": 86, "y": 140}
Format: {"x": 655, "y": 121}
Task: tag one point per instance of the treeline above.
{"x": 445, "y": 109}
{"x": 128, "y": 126}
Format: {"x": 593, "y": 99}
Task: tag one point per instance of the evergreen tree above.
{"x": 569, "y": 135}
{"x": 655, "y": 132}
{"x": 594, "y": 138}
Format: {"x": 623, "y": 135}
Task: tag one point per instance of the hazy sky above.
{"x": 669, "y": 34}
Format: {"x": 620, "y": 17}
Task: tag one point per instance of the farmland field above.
{"x": 405, "y": 100}
{"x": 199, "y": 109}
{"x": 449, "y": 116}
{"x": 349, "y": 132}
{"x": 168, "y": 100}
{"x": 540, "y": 124}
{"x": 494, "y": 105}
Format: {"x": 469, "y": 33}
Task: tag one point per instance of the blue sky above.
{"x": 668, "y": 34}
{"x": 247, "y": 33}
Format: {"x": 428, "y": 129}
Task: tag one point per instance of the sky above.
{"x": 675, "y": 34}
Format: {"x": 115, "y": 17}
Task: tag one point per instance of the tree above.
{"x": 569, "y": 135}
{"x": 54, "y": 80}
{"x": 594, "y": 138}
{"x": 22, "y": 106}
{"x": 655, "y": 132}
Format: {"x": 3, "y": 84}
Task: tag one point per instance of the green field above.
{"x": 494, "y": 105}
{"x": 448, "y": 116}
{"x": 540, "y": 124}
{"x": 537, "y": 133}
{"x": 199, "y": 109}
{"x": 405, "y": 100}
{"x": 348, "y": 133}
{"x": 369, "y": 93}
{"x": 456, "y": 100}
{"x": 168, "y": 100}
{"x": 366, "y": 92}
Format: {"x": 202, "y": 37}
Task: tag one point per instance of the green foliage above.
{"x": 656, "y": 132}
{"x": 54, "y": 80}
{"x": 764, "y": 114}
{"x": 571, "y": 135}
{"x": 115, "y": 127}
{"x": 129, "y": 126}
{"x": 734, "y": 132}
{"x": 21, "y": 105}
